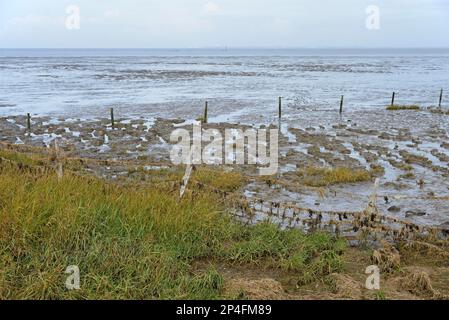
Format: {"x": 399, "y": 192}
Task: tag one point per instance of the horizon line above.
{"x": 225, "y": 47}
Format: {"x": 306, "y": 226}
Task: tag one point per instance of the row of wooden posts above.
{"x": 341, "y": 104}
{"x": 280, "y": 109}
{"x": 394, "y": 96}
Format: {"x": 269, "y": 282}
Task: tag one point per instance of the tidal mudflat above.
{"x": 407, "y": 150}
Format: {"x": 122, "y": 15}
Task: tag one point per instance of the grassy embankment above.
{"x": 137, "y": 239}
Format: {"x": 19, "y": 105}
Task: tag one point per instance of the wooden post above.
{"x": 341, "y": 104}
{"x": 280, "y": 114}
{"x": 392, "y": 99}
{"x": 187, "y": 174}
{"x": 441, "y": 98}
{"x": 112, "y": 118}
{"x": 29, "y": 123}
{"x": 205, "y": 112}
{"x": 280, "y": 108}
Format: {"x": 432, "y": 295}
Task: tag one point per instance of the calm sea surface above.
{"x": 174, "y": 82}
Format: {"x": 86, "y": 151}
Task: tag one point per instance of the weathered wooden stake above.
{"x": 205, "y": 112}
{"x": 341, "y": 104}
{"x": 372, "y": 205}
{"x": 392, "y": 99}
{"x": 112, "y": 118}
{"x": 280, "y": 107}
{"x": 441, "y": 98}
{"x": 187, "y": 174}
{"x": 29, "y": 124}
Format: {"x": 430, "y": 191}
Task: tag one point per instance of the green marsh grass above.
{"x": 21, "y": 158}
{"x": 320, "y": 176}
{"x": 136, "y": 241}
{"x": 403, "y": 107}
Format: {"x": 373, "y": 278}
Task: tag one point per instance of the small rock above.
{"x": 394, "y": 209}
{"x": 415, "y": 214}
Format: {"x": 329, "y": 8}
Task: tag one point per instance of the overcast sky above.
{"x": 219, "y": 23}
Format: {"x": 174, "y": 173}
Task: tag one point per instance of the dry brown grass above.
{"x": 260, "y": 289}
{"x": 387, "y": 258}
{"x": 418, "y": 282}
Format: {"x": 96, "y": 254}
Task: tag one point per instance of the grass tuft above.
{"x": 403, "y": 107}
{"x": 319, "y": 176}
{"x": 310, "y": 256}
{"x": 21, "y": 158}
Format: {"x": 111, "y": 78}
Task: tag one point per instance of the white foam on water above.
{"x": 188, "y": 122}
{"x": 286, "y": 132}
{"x": 104, "y": 148}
